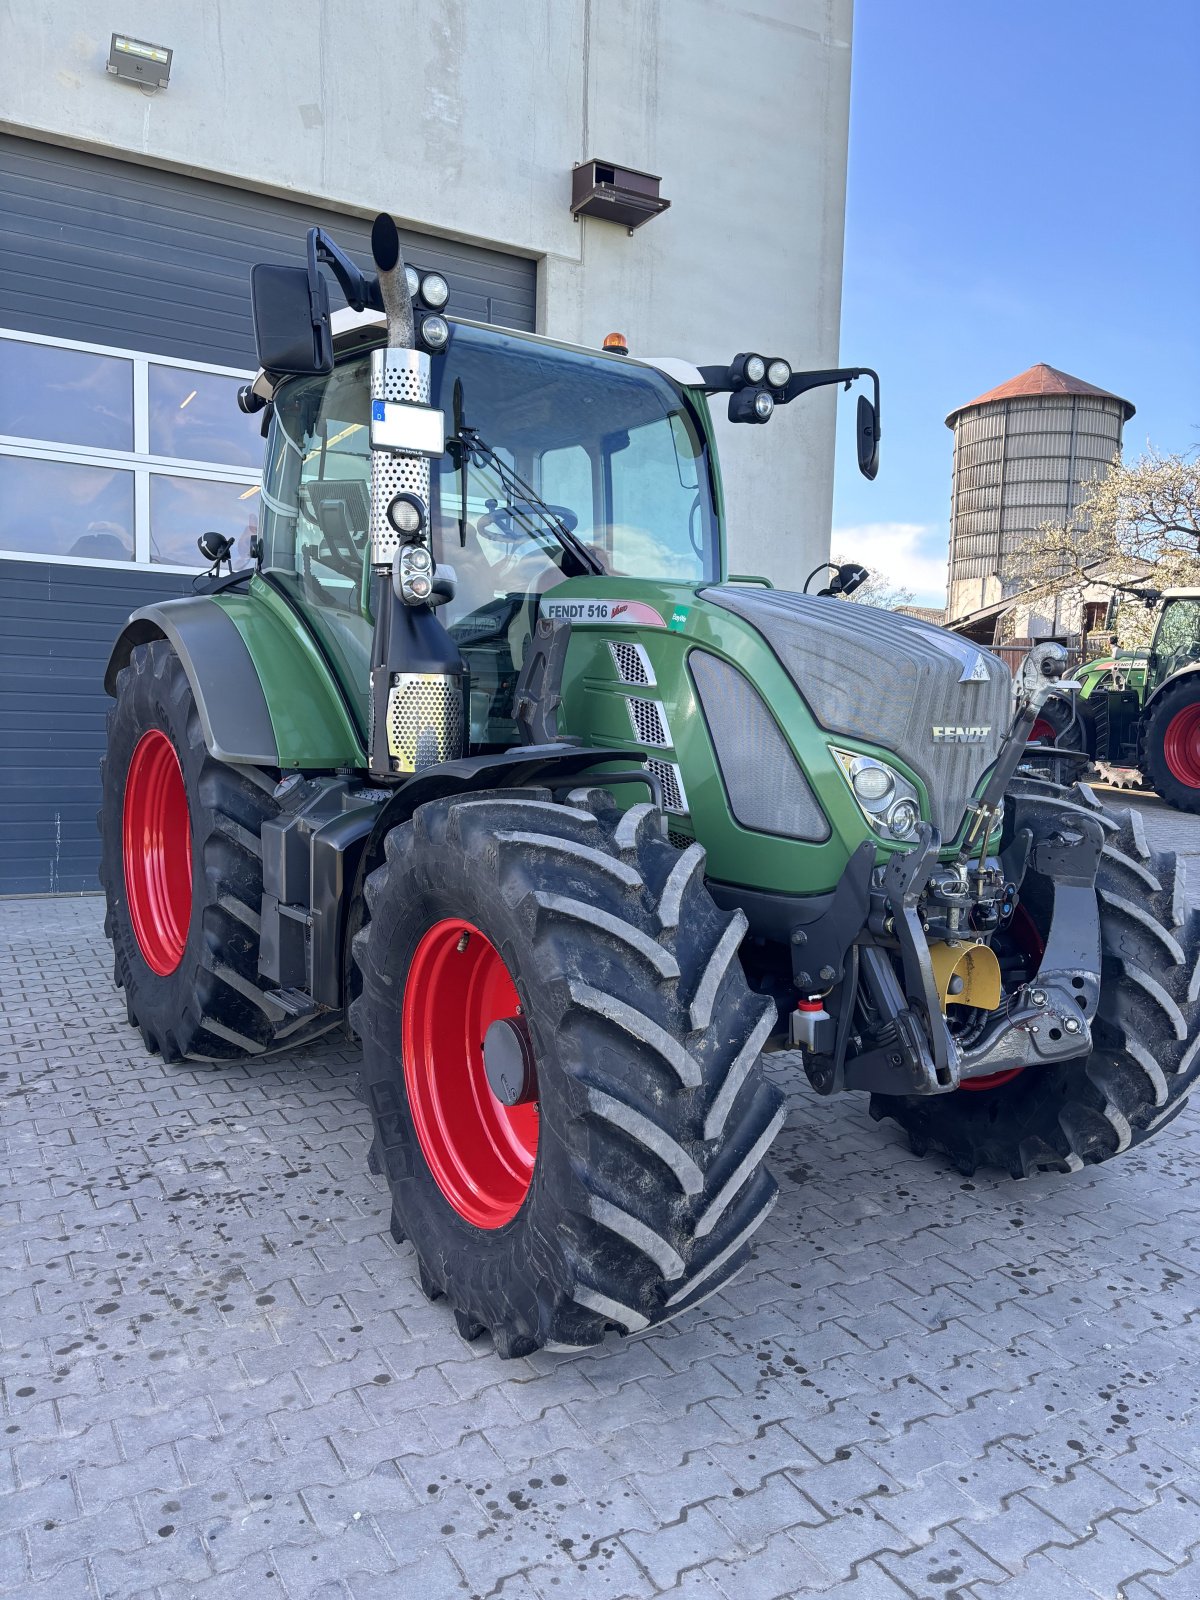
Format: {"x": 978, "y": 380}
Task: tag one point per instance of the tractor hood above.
{"x": 936, "y": 700}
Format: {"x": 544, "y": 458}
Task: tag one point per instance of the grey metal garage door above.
{"x": 110, "y": 253}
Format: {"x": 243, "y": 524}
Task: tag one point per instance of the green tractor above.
{"x": 1136, "y": 714}
{"x": 488, "y": 758}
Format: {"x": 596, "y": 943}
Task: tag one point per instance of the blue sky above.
{"x": 1022, "y": 187}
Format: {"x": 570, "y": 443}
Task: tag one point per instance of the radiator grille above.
{"x": 631, "y": 661}
{"x": 669, "y": 776}
{"x": 425, "y": 720}
{"x": 649, "y": 723}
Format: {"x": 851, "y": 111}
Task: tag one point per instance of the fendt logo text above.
{"x": 957, "y": 735}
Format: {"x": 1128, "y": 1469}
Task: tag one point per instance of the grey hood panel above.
{"x": 888, "y": 680}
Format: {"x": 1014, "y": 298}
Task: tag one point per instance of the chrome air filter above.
{"x": 402, "y": 375}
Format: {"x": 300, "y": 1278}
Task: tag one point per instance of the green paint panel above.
{"x": 310, "y": 723}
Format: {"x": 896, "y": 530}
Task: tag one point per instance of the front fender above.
{"x": 262, "y": 692}
{"x": 1169, "y": 683}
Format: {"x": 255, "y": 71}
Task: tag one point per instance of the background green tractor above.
{"x": 489, "y": 758}
{"x": 1137, "y": 713}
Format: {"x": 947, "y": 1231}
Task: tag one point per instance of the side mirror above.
{"x": 868, "y": 437}
{"x": 292, "y": 331}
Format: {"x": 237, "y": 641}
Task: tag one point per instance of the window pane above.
{"x": 195, "y": 416}
{"x": 181, "y": 509}
{"x": 52, "y": 508}
{"x": 65, "y": 396}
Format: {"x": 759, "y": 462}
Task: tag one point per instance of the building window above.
{"x": 111, "y": 456}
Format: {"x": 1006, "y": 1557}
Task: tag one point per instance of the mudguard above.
{"x": 1169, "y": 683}
{"x": 262, "y": 691}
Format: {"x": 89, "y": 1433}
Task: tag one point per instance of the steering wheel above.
{"x": 500, "y": 522}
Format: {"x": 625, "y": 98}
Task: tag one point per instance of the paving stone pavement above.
{"x": 220, "y": 1377}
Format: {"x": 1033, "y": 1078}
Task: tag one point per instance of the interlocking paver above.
{"x": 923, "y": 1385}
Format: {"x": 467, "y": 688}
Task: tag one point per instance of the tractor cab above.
{"x": 1176, "y": 643}
{"x": 542, "y": 437}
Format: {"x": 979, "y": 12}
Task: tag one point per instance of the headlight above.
{"x": 755, "y": 369}
{"x": 902, "y": 819}
{"x": 435, "y": 332}
{"x": 778, "y": 374}
{"x": 763, "y": 405}
{"x": 435, "y": 291}
{"x": 413, "y": 282}
{"x": 872, "y": 782}
{"x": 885, "y": 797}
{"x": 406, "y": 514}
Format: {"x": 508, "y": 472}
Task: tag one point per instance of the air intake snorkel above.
{"x": 418, "y": 685}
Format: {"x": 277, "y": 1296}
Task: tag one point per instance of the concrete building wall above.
{"x": 465, "y": 117}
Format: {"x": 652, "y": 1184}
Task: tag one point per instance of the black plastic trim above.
{"x": 229, "y": 697}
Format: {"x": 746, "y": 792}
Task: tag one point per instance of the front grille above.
{"x": 631, "y": 661}
{"x": 669, "y": 776}
{"x": 424, "y": 720}
{"x": 649, "y": 723}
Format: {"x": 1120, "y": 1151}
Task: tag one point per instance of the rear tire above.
{"x": 1146, "y": 1049}
{"x": 645, "y": 1176}
{"x": 1171, "y": 745}
{"x": 191, "y": 987}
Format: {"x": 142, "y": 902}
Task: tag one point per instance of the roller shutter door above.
{"x": 110, "y": 253}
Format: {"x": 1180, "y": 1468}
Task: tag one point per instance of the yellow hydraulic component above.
{"x": 966, "y": 974}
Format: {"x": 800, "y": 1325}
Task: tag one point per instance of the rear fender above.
{"x": 263, "y": 694}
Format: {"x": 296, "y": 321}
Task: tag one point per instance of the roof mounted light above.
{"x": 435, "y": 291}
{"x": 616, "y": 344}
{"x": 779, "y": 372}
{"x": 435, "y": 333}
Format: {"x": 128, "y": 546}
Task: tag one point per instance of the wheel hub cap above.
{"x": 479, "y": 1146}
{"x": 157, "y": 850}
{"x": 1181, "y": 746}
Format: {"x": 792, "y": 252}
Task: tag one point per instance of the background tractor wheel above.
{"x": 181, "y": 868}
{"x": 1146, "y": 1048}
{"x": 1171, "y": 745}
{"x": 601, "y": 1164}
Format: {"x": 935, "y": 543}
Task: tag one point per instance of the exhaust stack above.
{"x": 418, "y": 684}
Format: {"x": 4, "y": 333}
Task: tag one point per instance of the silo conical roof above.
{"x": 1039, "y": 379}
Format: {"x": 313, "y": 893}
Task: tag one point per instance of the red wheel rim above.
{"x": 1042, "y": 732}
{"x": 1181, "y": 746}
{"x": 480, "y": 1152}
{"x": 157, "y": 848}
{"x": 1031, "y": 944}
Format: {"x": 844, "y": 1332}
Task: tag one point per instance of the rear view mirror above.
{"x": 868, "y": 438}
{"x": 292, "y": 331}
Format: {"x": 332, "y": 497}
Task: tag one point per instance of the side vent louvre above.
{"x": 649, "y": 722}
{"x": 631, "y": 661}
{"x": 669, "y": 776}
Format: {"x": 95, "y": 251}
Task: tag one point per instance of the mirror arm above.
{"x": 362, "y": 293}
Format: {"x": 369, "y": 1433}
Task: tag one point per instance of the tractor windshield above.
{"x": 611, "y": 448}
{"x": 612, "y": 451}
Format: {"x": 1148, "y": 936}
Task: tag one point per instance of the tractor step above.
{"x": 297, "y": 1008}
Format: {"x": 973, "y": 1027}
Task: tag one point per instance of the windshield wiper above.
{"x": 470, "y": 445}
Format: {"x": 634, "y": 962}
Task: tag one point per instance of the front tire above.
{"x": 1171, "y": 745}
{"x": 1146, "y": 1048}
{"x": 629, "y": 1190}
{"x": 181, "y": 869}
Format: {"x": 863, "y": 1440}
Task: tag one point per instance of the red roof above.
{"x": 1039, "y": 379}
